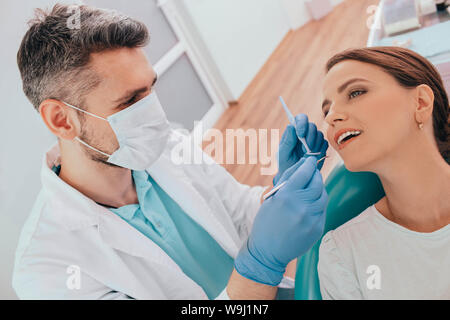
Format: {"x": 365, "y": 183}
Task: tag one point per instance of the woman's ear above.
{"x": 425, "y": 103}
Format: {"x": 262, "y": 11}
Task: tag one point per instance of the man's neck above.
{"x": 108, "y": 185}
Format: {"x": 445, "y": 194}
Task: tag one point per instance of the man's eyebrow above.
{"x": 133, "y": 92}
{"x": 342, "y": 88}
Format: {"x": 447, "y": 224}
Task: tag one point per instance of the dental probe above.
{"x": 292, "y": 121}
{"x": 302, "y": 140}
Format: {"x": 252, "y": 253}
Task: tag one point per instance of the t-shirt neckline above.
{"x": 433, "y": 234}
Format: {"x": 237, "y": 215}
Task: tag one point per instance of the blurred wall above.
{"x": 24, "y": 137}
{"x": 240, "y": 35}
{"x": 296, "y": 12}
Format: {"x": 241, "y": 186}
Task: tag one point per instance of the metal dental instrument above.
{"x": 292, "y": 121}
{"x": 268, "y": 194}
{"x": 322, "y": 159}
{"x": 302, "y": 140}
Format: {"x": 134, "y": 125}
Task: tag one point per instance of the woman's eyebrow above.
{"x": 349, "y": 82}
{"x": 342, "y": 88}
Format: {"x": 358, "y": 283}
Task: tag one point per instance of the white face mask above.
{"x": 142, "y": 131}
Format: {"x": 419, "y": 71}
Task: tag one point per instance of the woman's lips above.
{"x": 343, "y": 144}
{"x": 343, "y": 131}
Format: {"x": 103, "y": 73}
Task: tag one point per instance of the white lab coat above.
{"x": 66, "y": 231}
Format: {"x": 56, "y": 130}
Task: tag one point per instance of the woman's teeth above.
{"x": 347, "y": 134}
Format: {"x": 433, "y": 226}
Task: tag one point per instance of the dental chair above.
{"x": 349, "y": 193}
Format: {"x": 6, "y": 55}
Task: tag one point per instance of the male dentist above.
{"x": 116, "y": 218}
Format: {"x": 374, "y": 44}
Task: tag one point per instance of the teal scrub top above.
{"x": 162, "y": 220}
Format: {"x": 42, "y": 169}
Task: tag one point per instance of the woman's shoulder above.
{"x": 361, "y": 228}
{"x": 336, "y": 264}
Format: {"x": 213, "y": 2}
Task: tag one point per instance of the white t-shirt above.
{"x": 371, "y": 257}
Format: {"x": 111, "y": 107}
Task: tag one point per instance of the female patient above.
{"x": 387, "y": 112}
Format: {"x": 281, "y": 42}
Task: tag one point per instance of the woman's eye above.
{"x": 356, "y": 93}
{"x": 351, "y": 95}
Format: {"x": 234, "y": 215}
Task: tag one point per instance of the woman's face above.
{"x": 369, "y": 115}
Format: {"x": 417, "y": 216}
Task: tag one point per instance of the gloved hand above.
{"x": 286, "y": 226}
{"x": 291, "y": 150}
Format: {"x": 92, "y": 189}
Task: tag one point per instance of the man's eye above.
{"x": 356, "y": 93}
{"x": 131, "y": 101}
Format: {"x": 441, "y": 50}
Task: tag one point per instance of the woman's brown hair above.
{"x": 410, "y": 70}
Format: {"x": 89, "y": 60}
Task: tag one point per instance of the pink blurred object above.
{"x": 319, "y": 8}
{"x": 444, "y": 70}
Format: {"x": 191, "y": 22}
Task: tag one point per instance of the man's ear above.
{"x": 59, "y": 119}
{"x": 425, "y": 103}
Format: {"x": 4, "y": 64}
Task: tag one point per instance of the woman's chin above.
{"x": 367, "y": 162}
{"x": 355, "y": 165}
{"x": 360, "y": 159}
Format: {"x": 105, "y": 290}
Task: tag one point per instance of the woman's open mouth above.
{"x": 345, "y": 136}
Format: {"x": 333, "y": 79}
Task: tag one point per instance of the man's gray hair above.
{"x": 53, "y": 57}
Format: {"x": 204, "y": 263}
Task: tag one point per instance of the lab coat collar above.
{"x": 74, "y": 210}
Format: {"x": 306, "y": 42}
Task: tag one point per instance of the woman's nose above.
{"x": 335, "y": 114}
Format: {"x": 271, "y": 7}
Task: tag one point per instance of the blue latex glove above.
{"x": 291, "y": 150}
{"x": 286, "y": 226}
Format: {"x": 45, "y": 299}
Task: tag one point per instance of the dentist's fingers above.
{"x": 315, "y": 185}
{"x": 288, "y": 141}
{"x": 319, "y": 206}
{"x": 301, "y": 124}
{"x": 313, "y": 190}
{"x": 323, "y": 153}
{"x": 302, "y": 175}
{"x": 324, "y": 147}
{"x": 318, "y": 142}
{"x": 311, "y": 136}
{"x": 290, "y": 171}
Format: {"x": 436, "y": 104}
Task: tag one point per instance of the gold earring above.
{"x": 420, "y": 125}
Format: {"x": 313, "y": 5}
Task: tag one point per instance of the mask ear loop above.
{"x": 91, "y": 114}
{"x": 81, "y": 141}
{"x": 91, "y": 147}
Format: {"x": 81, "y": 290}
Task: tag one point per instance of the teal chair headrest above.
{"x": 349, "y": 193}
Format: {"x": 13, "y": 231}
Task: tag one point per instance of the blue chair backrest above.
{"x": 349, "y": 193}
